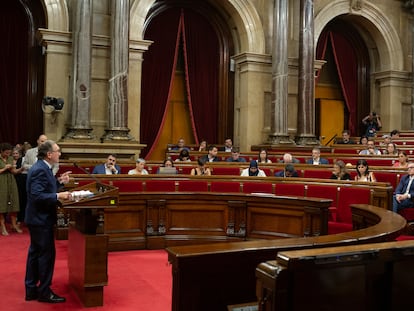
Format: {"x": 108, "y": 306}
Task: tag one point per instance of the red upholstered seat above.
{"x": 235, "y": 171}
{"x": 160, "y": 185}
{"x": 391, "y": 177}
{"x": 407, "y": 213}
{"x": 186, "y": 170}
{"x": 297, "y": 190}
{"x": 347, "y": 195}
{"x": 193, "y": 185}
{"x": 317, "y": 173}
{"x": 225, "y": 186}
{"x": 258, "y": 187}
{"x": 327, "y": 192}
{"x": 128, "y": 185}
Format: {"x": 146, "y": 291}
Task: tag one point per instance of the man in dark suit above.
{"x": 212, "y": 155}
{"x": 289, "y": 171}
{"x": 404, "y": 194}
{"x": 109, "y": 167}
{"x": 316, "y": 158}
{"x": 42, "y": 198}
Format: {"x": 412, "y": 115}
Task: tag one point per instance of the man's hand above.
{"x": 64, "y": 178}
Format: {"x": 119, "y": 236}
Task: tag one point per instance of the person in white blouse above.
{"x": 139, "y": 168}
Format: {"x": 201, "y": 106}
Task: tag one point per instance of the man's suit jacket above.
{"x": 402, "y": 186}
{"x": 321, "y": 161}
{"x": 100, "y": 169}
{"x": 282, "y": 174}
{"x": 42, "y": 187}
{"x": 206, "y": 159}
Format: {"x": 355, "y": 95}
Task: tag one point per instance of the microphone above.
{"x": 99, "y": 185}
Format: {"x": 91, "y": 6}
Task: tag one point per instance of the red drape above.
{"x": 201, "y": 59}
{"x": 346, "y": 66}
{"x": 14, "y": 73}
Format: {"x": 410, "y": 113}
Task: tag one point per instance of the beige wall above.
{"x": 382, "y": 23}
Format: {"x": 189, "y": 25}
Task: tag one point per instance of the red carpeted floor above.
{"x": 137, "y": 280}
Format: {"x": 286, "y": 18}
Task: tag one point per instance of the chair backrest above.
{"x": 225, "y": 186}
{"x": 297, "y": 190}
{"x": 160, "y": 185}
{"x": 193, "y": 185}
{"x": 351, "y": 195}
{"x": 321, "y": 191}
{"x": 128, "y": 185}
{"x": 257, "y": 187}
{"x": 235, "y": 171}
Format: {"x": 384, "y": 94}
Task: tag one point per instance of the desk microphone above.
{"x": 99, "y": 185}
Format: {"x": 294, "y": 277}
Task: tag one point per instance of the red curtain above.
{"x": 14, "y": 73}
{"x": 346, "y": 65}
{"x": 201, "y": 59}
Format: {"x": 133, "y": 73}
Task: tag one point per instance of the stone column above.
{"x": 279, "y": 107}
{"x": 118, "y": 82}
{"x": 306, "y": 83}
{"x": 80, "y": 84}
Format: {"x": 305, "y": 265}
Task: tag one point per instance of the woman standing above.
{"x": 340, "y": 172}
{"x": 363, "y": 173}
{"x": 9, "y": 194}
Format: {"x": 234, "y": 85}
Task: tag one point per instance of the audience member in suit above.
{"x": 316, "y": 158}
{"x": 212, "y": 155}
{"x": 235, "y": 156}
{"x": 404, "y": 193}
{"x": 30, "y": 156}
{"x": 340, "y": 172}
{"x": 289, "y": 171}
{"x": 109, "y": 167}
{"x": 346, "y": 135}
{"x": 180, "y": 145}
{"x": 42, "y": 198}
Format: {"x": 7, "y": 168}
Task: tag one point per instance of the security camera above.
{"x": 56, "y": 103}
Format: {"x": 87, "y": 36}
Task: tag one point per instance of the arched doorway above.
{"x": 191, "y": 52}
{"x": 22, "y": 74}
{"x": 344, "y": 78}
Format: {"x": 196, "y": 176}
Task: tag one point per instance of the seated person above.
{"x": 402, "y": 160}
{"x": 404, "y": 193}
{"x": 316, "y": 158}
{"x": 288, "y": 158}
{"x": 253, "y": 170}
{"x": 184, "y": 156}
{"x": 139, "y": 168}
{"x": 203, "y": 145}
{"x": 340, "y": 172}
{"x": 386, "y": 140}
{"x": 391, "y": 150}
{"x": 109, "y": 167}
{"x": 363, "y": 173}
{"x": 370, "y": 150}
{"x": 289, "y": 171}
{"x": 395, "y": 134}
{"x": 235, "y": 156}
{"x": 167, "y": 163}
{"x": 201, "y": 169}
{"x": 346, "y": 135}
{"x": 228, "y": 145}
{"x": 180, "y": 145}
{"x": 363, "y": 140}
{"x": 263, "y": 156}
{"x": 212, "y": 155}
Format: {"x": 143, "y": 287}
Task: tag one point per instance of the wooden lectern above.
{"x": 87, "y": 243}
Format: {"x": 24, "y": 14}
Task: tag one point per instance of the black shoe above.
{"x": 52, "y": 298}
{"x": 30, "y": 297}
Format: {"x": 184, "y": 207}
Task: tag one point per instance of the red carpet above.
{"x": 137, "y": 280}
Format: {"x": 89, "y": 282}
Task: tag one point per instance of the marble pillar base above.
{"x": 280, "y": 140}
{"x": 79, "y": 134}
{"x": 117, "y": 135}
{"x": 307, "y": 141}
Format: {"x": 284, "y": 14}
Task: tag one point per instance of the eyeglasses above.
{"x": 410, "y": 167}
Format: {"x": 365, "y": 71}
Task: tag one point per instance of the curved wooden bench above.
{"x": 211, "y": 277}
